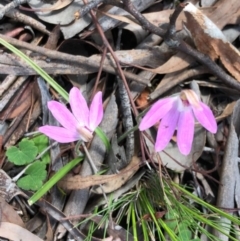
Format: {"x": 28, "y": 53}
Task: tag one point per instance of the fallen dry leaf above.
{"x": 53, "y": 7}
{"x": 123, "y": 18}
{"x": 175, "y": 63}
{"x": 224, "y": 12}
{"x": 142, "y": 100}
{"x": 25, "y": 117}
{"x": 21, "y": 102}
{"x": 228, "y": 110}
{"x": 210, "y": 40}
{"x": 8, "y": 214}
{"x": 110, "y": 182}
{"x": 139, "y": 57}
{"x": 181, "y": 61}
{"x": 14, "y": 232}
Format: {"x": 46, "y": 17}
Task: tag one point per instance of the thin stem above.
{"x": 99, "y": 72}
{"x": 21, "y": 173}
{"x": 46, "y": 150}
{"x": 95, "y": 170}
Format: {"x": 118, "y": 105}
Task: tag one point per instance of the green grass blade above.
{"x": 51, "y": 182}
{"x": 39, "y": 70}
{"x": 206, "y": 205}
{"x": 134, "y": 223}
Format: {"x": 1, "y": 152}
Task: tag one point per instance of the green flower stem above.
{"x": 104, "y": 138}
{"x": 21, "y": 173}
{"x": 125, "y": 134}
{"x": 51, "y": 182}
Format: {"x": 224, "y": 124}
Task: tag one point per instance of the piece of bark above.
{"x": 10, "y": 88}
{"x": 59, "y": 216}
{"x": 25, "y": 119}
{"x": 210, "y": 40}
{"x": 229, "y": 174}
{"x": 14, "y": 232}
{"x": 57, "y": 197}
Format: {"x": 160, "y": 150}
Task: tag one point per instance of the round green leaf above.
{"x": 184, "y": 234}
{"x": 36, "y": 174}
{"x": 23, "y": 155}
{"x": 171, "y": 219}
{"x": 42, "y": 143}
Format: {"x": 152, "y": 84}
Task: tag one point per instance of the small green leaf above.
{"x": 171, "y": 219}
{"x": 23, "y": 155}
{"x": 183, "y": 224}
{"x": 35, "y": 175}
{"x": 184, "y": 234}
{"x": 41, "y": 142}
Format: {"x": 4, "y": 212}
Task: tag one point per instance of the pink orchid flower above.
{"x": 78, "y": 125}
{"x": 178, "y": 113}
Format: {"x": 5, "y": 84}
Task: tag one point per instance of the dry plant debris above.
{"x": 129, "y": 54}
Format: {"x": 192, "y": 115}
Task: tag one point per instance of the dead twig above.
{"x": 99, "y": 72}
{"x": 83, "y": 61}
{"x": 17, "y": 16}
{"x": 126, "y": 112}
{"x": 89, "y": 6}
{"x": 10, "y": 6}
{"x": 180, "y": 45}
{"x": 123, "y": 89}
{"x": 119, "y": 69}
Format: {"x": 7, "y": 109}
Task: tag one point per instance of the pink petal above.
{"x": 59, "y": 134}
{"x": 205, "y": 117}
{"x": 157, "y": 112}
{"x": 62, "y": 114}
{"x": 166, "y": 128}
{"x": 185, "y": 131}
{"x": 79, "y": 106}
{"x": 96, "y": 111}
